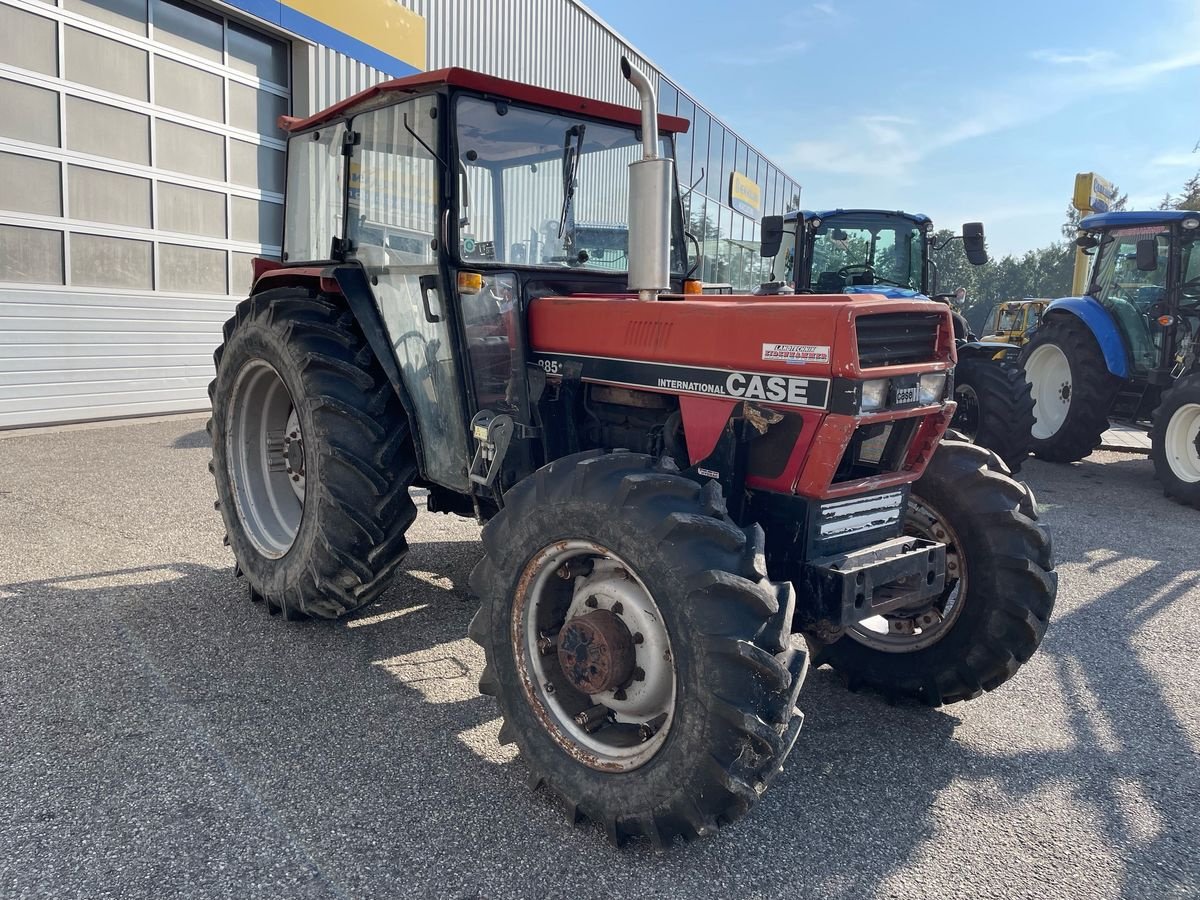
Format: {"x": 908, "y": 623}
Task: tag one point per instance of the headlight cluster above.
{"x": 927, "y": 389}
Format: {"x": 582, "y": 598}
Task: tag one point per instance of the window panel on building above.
{"x": 189, "y": 29}
{"x": 188, "y": 89}
{"x": 700, "y": 150}
{"x": 99, "y": 196}
{"x": 242, "y": 273}
{"x": 728, "y": 164}
{"x": 105, "y": 130}
{"x": 256, "y": 165}
{"x": 668, "y": 97}
{"x": 30, "y": 113}
{"x": 129, "y": 15}
{"x": 189, "y": 150}
{"x": 716, "y": 146}
{"x": 101, "y": 261}
{"x": 191, "y": 210}
{"x": 257, "y": 221}
{"x": 684, "y": 142}
{"x": 258, "y": 55}
{"x": 255, "y": 110}
{"x": 31, "y": 255}
{"x": 28, "y": 41}
{"x": 191, "y": 269}
{"x": 30, "y": 185}
{"x": 106, "y": 64}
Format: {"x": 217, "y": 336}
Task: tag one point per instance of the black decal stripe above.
{"x": 789, "y": 390}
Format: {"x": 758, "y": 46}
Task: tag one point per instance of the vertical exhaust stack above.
{"x": 650, "y": 180}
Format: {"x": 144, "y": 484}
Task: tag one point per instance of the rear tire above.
{"x": 736, "y": 668}
{"x": 311, "y": 454}
{"x": 995, "y": 408}
{"x": 1000, "y": 589}
{"x": 1072, "y": 389}
{"x": 1175, "y": 441}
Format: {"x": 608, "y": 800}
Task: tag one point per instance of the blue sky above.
{"x": 961, "y": 110}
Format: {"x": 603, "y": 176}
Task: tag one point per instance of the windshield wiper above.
{"x": 571, "y": 157}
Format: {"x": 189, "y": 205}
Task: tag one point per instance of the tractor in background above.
{"x": 1011, "y": 322}
{"x": 888, "y": 253}
{"x": 1125, "y": 349}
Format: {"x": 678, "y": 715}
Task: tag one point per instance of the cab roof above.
{"x": 1102, "y": 221}
{"x": 918, "y": 218}
{"x": 487, "y": 84}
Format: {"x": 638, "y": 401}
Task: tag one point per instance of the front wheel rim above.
{"x": 1181, "y": 443}
{"x": 264, "y": 449}
{"x": 1049, "y": 375}
{"x": 921, "y": 626}
{"x": 966, "y": 419}
{"x": 616, "y": 729}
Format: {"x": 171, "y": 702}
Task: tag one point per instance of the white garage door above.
{"x": 140, "y": 171}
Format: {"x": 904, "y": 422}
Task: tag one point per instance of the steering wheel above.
{"x": 856, "y": 269}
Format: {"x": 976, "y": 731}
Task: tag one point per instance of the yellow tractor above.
{"x": 1011, "y": 322}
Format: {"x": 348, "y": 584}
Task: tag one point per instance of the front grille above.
{"x": 895, "y": 339}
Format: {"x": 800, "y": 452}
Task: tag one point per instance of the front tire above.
{"x": 995, "y": 408}
{"x": 311, "y": 454}
{"x": 706, "y": 715}
{"x": 1175, "y": 441}
{"x": 1072, "y": 389}
{"x": 1000, "y": 589}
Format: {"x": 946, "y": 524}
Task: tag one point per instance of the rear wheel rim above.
{"x": 1183, "y": 455}
{"x": 1049, "y": 375}
{"x": 614, "y": 730}
{"x": 918, "y": 627}
{"x": 264, "y": 446}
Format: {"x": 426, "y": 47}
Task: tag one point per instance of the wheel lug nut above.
{"x": 618, "y": 608}
{"x": 564, "y": 572}
{"x": 619, "y": 694}
{"x": 639, "y": 674}
{"x": 546, "y": 646}
{"x": 591, "y": 603}
{"x": 638, "y": 638}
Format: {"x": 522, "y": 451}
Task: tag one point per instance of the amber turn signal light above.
{"x": 692, "y": 286}
{"x": 470, "y": 282}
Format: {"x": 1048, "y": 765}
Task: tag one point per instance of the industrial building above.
{"x": 141, "y": 167}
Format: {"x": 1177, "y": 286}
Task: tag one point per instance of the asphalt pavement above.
{"x": 161, "y": 736}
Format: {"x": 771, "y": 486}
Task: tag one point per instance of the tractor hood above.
{"x": 790, "y": 335}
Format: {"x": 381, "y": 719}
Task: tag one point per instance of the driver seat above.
{"x": 830, "y": 283}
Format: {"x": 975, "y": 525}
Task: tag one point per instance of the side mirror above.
{"x": 1147, "y": 254}
{"x": 771, "y": 236}
{"x": 1086, "y": 241}
{"x": 972, "y": 233}
{"x": 839, "y": 235}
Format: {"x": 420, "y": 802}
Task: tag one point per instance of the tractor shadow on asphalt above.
{"x": 372, "y": 727}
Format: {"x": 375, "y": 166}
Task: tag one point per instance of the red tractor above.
{"x": 683, "y": 493}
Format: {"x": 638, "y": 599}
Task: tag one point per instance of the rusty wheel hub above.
{"x": 596, "y": 652}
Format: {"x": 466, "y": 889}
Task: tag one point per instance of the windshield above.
{"x": 547, "y": 189}
{"x": 864, "y": 249}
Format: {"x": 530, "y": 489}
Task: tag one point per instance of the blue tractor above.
{"x": 875, "y": 251}
{"x": 1125, "y": 351}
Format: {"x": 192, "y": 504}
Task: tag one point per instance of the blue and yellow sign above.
{"x": 744, "y": 195}
{"x": 381, "y": 33}
{"x": 1093, "y": 194}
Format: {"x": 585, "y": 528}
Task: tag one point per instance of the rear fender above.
{"x": 1104, "y": 329}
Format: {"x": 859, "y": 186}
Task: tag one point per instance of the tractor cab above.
{"x": 460, "y": 197}
{"x": 1146, "y": 277}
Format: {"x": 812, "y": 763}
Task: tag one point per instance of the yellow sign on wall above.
{"x": 1093, "y": 194}
{"x": 744, "y": 195}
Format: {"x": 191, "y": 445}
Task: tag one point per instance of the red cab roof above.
{"x": 488, "y": 84}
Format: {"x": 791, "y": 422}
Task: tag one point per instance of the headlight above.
{"x": 874, "y": 394}
{"x": 932, "y": 387}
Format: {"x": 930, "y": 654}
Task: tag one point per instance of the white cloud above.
{"x": 1083, "y": 58}
{"x": 759, "y": 55}
{"x": 825, "y": 9}
{"x": 1176, "y": 160}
